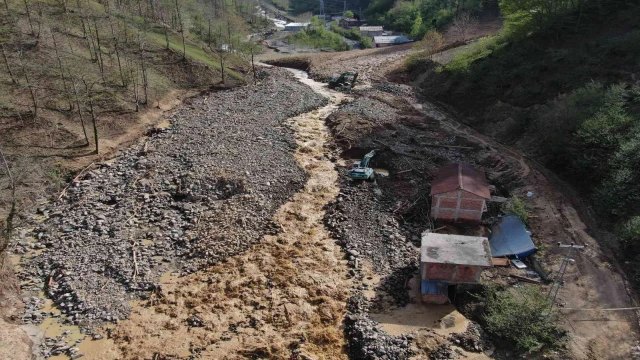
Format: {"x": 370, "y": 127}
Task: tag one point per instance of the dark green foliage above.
{"x": 417, "y": 17}
{"x": 520, "y": 317}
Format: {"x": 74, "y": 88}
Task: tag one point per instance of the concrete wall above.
{"x": 457, "y": 206}
{"x": 450, "y": 272}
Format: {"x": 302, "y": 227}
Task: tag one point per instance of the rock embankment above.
{"x": 187, "y": 197}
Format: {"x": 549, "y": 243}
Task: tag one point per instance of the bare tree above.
{"x": 76, "y": 96}
{"x": 431, "y": 43}
{"x": 184, "y": 47}
{"x": 90, "y": 94}
{"x": 463, "y": 24}
{"x": 32, "y": 90}
{"x": 116, "y": 46}
{"x": 62, "y": 70}
{"x": 28, "y": 9}
{"x": 248, "y": 50}
{"x": 6, "y": 63}
{"x": 8, "y": 229}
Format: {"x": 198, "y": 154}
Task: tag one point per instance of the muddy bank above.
{"x": 189, "y": 196}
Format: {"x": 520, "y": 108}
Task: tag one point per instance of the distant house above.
{"x": 295, "y": 26}
{"x": 382, "y": 41}
{"x": 450, "y": 260}
{"x": 349, "y": 23}
{"x": 510, "y": 238}
{"x": 459, "y": 193}
{"x": 371, "y": 30}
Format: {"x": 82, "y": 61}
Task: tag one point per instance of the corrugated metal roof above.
{"x": 461, "y": 176}
{"x": 395, "y": 39}
{"x": 509, "y": 237}
{"x": 434, "y": 287}
{"x": 455, "y": 249}
{"x": 371, "y": 28}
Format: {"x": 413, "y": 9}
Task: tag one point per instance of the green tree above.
{"x": 520, "y": 317}
{"x": 349, "y": 14}
{"x": 416, "y": 29}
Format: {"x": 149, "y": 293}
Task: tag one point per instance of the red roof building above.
{"x": 459, "y": 194}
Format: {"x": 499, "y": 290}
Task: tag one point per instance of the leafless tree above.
{"x": 7, "y": 64}
{"x": 90, "y": 95}
{"x": 62, "y": 70}
{"x": 463, "y": 24}
{"x": 13, "y": 209}
{"x": 184, "y": 47}
{"x": 32, "y": 89}
{"x": 431, "y": 43}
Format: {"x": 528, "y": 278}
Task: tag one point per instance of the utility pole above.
{"x": 345, "y": 7}
{"x": 322, "y": 7}
{"x": 553, "y": 291}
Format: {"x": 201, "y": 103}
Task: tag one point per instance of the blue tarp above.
{"x": 434, "y": 287}
{"x": 509, "y": 237}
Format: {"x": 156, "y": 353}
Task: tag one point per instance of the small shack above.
{"x": 382, "y": 41}
{"x": 349, "y": 23}
{"x": 454, "y": 259}
{"x": 459, "y": 192}
{"x": 510, "y": 238}
{"x": 371, "y": 30}
{"x": 295, "y": 26}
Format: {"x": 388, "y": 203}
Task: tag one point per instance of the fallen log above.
{"x": 525, "y": 279}
{"x": 64, "y": 191}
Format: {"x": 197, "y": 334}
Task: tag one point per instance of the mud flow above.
{"x": 284, "y": 296}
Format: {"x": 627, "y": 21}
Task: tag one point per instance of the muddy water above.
{"x": 288, "y": 292}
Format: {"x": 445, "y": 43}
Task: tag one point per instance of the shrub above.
{"x": 461, "y": 63}
{"x": 317, "y": 36}
{"x": 515, "y": 206}
{"x": 520, "y": 317}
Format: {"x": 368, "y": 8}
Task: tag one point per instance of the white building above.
{"x": 296, "y": 26}
{"x": 382, "y": 41}
{"x": 372, "y": 30}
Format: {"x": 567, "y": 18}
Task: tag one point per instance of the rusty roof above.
{"x": 460, "y": 176}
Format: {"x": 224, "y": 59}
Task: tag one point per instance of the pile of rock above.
{"x": 474, "y": 339}
{"x": 366, "y": 341}
{"x": 187, "y": 197}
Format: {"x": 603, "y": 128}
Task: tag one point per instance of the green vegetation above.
{"x": 316, "y": 36}
{"x": 559, "y": 81}
{"x": 352, "y": 34}
{"x": 418, "y": 17}
{"x": 412, "y": 17}
{"x": 520, "y": 317}
{"x": 515, "y": 206}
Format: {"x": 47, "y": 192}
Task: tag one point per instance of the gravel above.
{"x": 185, "y": 198}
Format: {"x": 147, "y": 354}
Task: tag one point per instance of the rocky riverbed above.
{"x": 186, "y": 197}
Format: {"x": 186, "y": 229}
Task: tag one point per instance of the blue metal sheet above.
{"x": 434, "y": 287}
{"x": 509, "y": 237}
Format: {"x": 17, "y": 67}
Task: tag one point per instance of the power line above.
{"x": 555, "y": 288}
